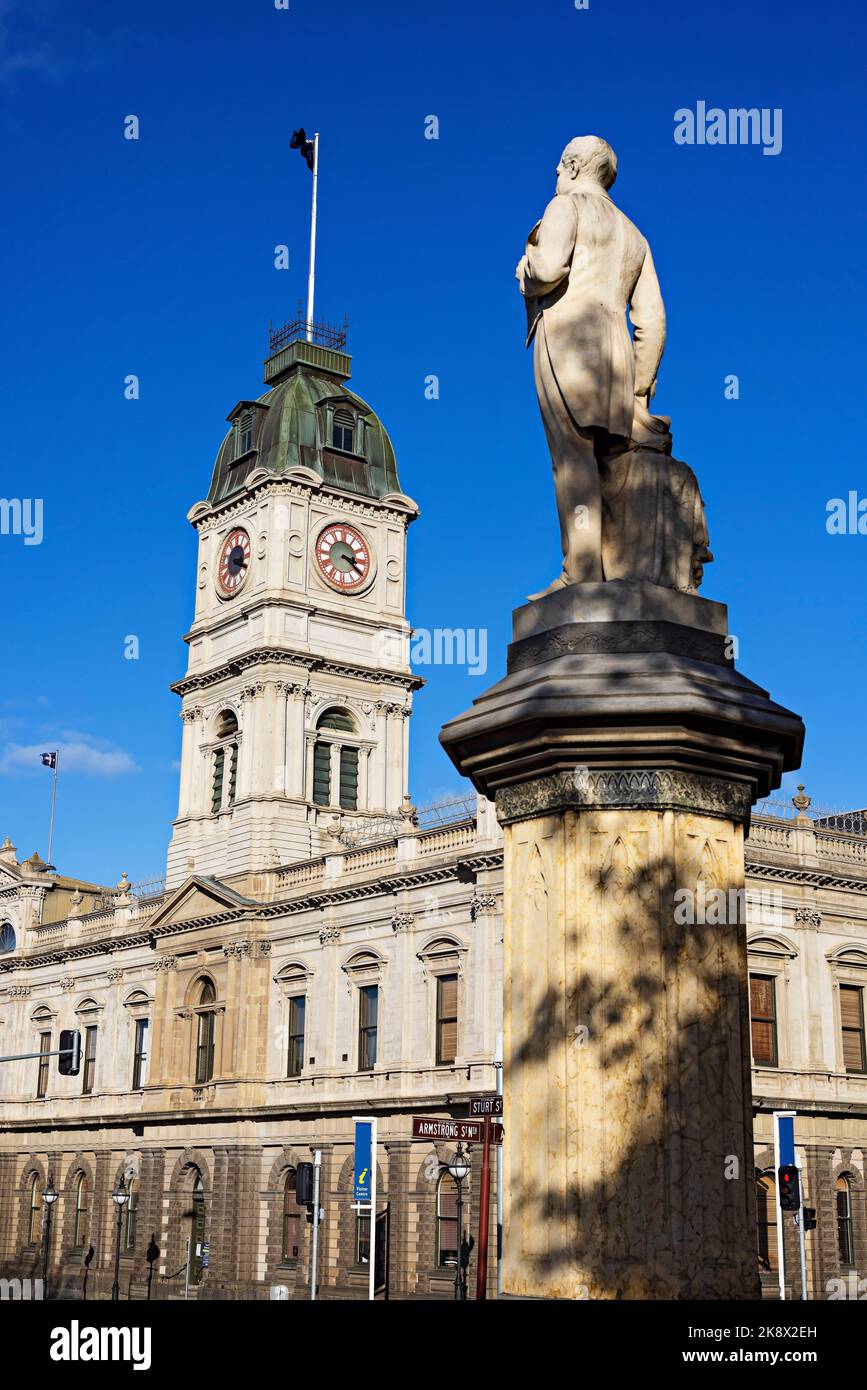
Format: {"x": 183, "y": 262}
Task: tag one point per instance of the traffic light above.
{"x": 69, "y": 1061}
{"x": 304, "y": 1184}
{"x": 809, "y": 1218}
{"x": 790, "y": 1188}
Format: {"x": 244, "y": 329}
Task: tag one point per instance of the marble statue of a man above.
{"x": 585, "y": 264}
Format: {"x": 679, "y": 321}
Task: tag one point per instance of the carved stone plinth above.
{"x": 624, "y": 752}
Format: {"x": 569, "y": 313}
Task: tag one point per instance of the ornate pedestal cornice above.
{"x": 639, "y": 788}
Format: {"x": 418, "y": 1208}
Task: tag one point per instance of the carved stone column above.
{"x": 624, "y": 752}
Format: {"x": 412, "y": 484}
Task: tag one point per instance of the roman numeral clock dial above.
{"x": 234, "y": 563}
{"x": 343, "y": 556}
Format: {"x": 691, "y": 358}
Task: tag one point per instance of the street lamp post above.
{"x": 459, "y": 1168}
{"x": 121, "y": 1197}
{"x": 49, "y": 1197}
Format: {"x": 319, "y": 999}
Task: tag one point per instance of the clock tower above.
{"x": 298, "y": 691}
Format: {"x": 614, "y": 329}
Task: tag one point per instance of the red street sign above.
{"x": 486, "y": 1105}
{"x": 454, "y": 1131}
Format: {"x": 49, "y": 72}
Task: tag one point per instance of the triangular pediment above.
{"x": 8, "y": 878}
{"x": 198, "y": 897}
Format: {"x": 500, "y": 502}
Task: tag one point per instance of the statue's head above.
{"x": 586, "y": 157}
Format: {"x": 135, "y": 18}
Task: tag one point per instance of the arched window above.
{"x": 205, "y": 1032}
{"x": 291, "y": 1221}
{"x": 7, "y": 938}
{"x": 447, "y": 1221}
{"x": 131, "y": 1215}
{"x": 343, "y": 430}
{"x": 766, "y": 1221}
{"x": 243, "y": 432}
{"x": 79, "y": 1236}
{"x": 35, "y": 1210}
{"x": 335, "y": 762}
{"x": 844, "y": 1221}
{"x": 224, "y": 781}
{"x": 197, "y": 1229}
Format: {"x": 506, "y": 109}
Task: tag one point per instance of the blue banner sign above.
{"x": 363, "y": 1146}
{"x": 786, "y": 1131}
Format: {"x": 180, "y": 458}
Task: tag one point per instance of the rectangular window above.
{"x": 44, "y": 1064}
{"x": 89, "y": 1063}
{"x": 349, "y": 779}
{"x": 205, "y": 1048}
{"x": 322, "y": 774}
{"x": 852, "y": 1019}
{"x": 447, "y": 1222}
{"x": 140, "y": 1054}
{"x": 368, "y": 1013}
{"x": 362, "y": 1239}
{"x": 447, "y": 1018}
{"x": 763, "y": 1020}
{"x": 297, "y": 1008}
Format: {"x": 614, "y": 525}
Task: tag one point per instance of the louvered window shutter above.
{"x": 217, "y": 791}
{"x": 349, "y": 778}
{"x": 322, "y": 774}
{"x": 852, "y": 1019}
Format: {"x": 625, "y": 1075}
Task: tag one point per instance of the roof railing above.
{"x": 322, "y": 334}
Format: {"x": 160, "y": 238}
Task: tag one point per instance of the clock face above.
{"x": 234, "y": 563}
{"x": 343, "y": 556}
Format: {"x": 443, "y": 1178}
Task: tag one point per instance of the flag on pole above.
{"x": 49, "y": 760}
{"x": 300, "y": 142}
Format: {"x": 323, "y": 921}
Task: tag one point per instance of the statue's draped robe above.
{"x": 586, "y": 265}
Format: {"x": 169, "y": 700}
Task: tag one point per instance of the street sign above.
{"x": 486, "y": 1105}
{"x": 454, "y": 1131}
{"x": 363, "y": 1160}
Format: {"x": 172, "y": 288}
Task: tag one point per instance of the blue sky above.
{"x": 156, "y": 258}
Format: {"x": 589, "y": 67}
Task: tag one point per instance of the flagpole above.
{"x": 311, "y": 278}
{"x": 53, "y": 802}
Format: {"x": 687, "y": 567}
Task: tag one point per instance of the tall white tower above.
{"x": 298, "y": 691}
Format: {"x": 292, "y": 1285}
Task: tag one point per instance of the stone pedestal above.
{"x": 624, "y": 753}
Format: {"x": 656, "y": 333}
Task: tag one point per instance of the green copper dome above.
{"x": 307, "y": 419}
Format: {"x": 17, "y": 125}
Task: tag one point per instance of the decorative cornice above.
{"x": 583, "y": 639}
{"x": 263, "y": 655}
{"x": 633, "y": 788}
{"x": 220, "y": 512}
